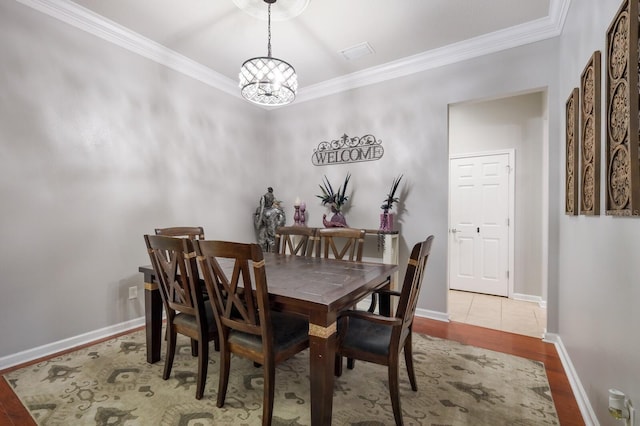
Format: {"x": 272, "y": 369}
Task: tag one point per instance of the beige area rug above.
{"x": 110, "y": 383}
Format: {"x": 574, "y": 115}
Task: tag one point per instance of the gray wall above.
{"x": 99, "y": 146}
{"x": 516, "y": 122}
{"x": 598, "y": 290}
{"x": 410, "y": 115}
{"x": 100, "y": 143}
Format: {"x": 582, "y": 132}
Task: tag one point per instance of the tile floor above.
{"x": 499, "y": 313}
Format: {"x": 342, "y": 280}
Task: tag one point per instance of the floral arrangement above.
{"x": 336, "y": 200}
{"x": 391, "y": 196}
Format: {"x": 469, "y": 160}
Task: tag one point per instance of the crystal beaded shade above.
{"x": 268, "y": 81}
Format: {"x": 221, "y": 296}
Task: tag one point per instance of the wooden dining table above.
{"x": 317, "y": 288}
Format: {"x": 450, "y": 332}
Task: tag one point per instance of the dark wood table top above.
{"x": 316, "y": 283}
{"x": 330, "y": 285}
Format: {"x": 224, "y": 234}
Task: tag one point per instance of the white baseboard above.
{"x": 434, "y": 315}
{"x": 69, "y": 343}
{"x": 422, "y": 313}
{"x": 530, "y": 298}
{"x": 582, "y": 399}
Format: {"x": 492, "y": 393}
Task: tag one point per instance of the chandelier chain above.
{"x": 269, "y": 25}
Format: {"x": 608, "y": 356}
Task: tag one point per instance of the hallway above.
{"x": 498, "y": 313}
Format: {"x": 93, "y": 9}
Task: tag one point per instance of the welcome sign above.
{"x": 347, "y": 150}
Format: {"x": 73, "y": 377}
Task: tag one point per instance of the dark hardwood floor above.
{"x": 514, "y": 344}
{"x": 12, "y": 411}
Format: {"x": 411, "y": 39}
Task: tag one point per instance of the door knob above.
{"x": 454, "y": 230}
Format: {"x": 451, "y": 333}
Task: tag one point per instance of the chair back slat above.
{"x": 175, "y": 266}
{"x": 341, "y": 243}
{"x": 235, "y": 277}
{"x": 189, "y": 232}
{"x": 298, "y": 240}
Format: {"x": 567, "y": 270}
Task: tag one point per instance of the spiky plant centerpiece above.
{"x": 386, "y": 223}
{"x": 391, "y": 196}
{"x": 335, "y": 200}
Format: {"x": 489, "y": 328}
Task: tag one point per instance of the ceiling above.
{"x": 406, "y": 35}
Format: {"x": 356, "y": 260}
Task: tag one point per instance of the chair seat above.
{"x": 190, "y": 320}
{"x": 288, "y": 330}
{"x": 366, "y": 336}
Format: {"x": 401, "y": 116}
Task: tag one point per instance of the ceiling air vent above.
{"x": 357, "y": 51}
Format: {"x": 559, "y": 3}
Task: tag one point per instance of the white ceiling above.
{"x": 414, "y": 34}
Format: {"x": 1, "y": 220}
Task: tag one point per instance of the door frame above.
{"x": 511, "y": 153}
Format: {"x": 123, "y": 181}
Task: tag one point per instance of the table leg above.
{"x": 153, "y": 321}
{"x": 322, "y": 343}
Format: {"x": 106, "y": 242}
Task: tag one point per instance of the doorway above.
{"x": 516, "y": 124}
{"x": 481, "y": 195}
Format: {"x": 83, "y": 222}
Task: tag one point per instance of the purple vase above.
{"x": 336, "y": 221}
{"x": 338, "y": 217}
{"x": 386, "y": 221}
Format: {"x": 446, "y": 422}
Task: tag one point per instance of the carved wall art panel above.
{"x": 590, "y": 137}
{"x": 571, "y": 134}
{"x": 623, "y": 174}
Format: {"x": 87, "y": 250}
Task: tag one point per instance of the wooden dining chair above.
{"x": 190, "y": 232}
{"x": 380, "y": 339}
{"x": 298, "y": 240}
{"x": 340, "y": 243}
{"x": 246, "y": 324}
{"x": 175, "y": 266}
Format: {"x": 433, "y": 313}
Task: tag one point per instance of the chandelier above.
{"x": 266, "y": 80}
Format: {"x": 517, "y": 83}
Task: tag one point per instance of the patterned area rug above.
{"x": 110, "y": 383}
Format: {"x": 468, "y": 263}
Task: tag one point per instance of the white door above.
{"x": 479, "y": 249}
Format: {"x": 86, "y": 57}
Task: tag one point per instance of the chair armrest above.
{"x": 368, "y": 316}
{"x": 381, "y": 291}
{"x": 389, "y": 292}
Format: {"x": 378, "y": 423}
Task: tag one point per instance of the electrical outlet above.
{"x": 621, "y": 408}
{"x": 133, "y": 292}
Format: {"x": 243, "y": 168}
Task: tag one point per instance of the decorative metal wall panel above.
{"x": 348, "y": 149}
{"x": 623, "y": 174}
{"x": 590, "y": 137}
{"x": 571, "y": 133}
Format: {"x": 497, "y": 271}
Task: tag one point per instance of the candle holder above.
{"x": 303, "y": 219}
{"x": 296, "y": 215}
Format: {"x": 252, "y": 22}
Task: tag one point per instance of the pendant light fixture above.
{"x": 266, "y": 80}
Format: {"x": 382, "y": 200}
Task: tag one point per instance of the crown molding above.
{"x": 519, "y": 35}
{"x": 86, "y": 20}
{"x": 530, "y": 32}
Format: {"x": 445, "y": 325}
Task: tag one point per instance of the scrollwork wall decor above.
{"x": 571, "y": 134}
{"x": 623, "y": 174}
{"x": 590, "y": 137}
{"x": 347, "y": 149}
